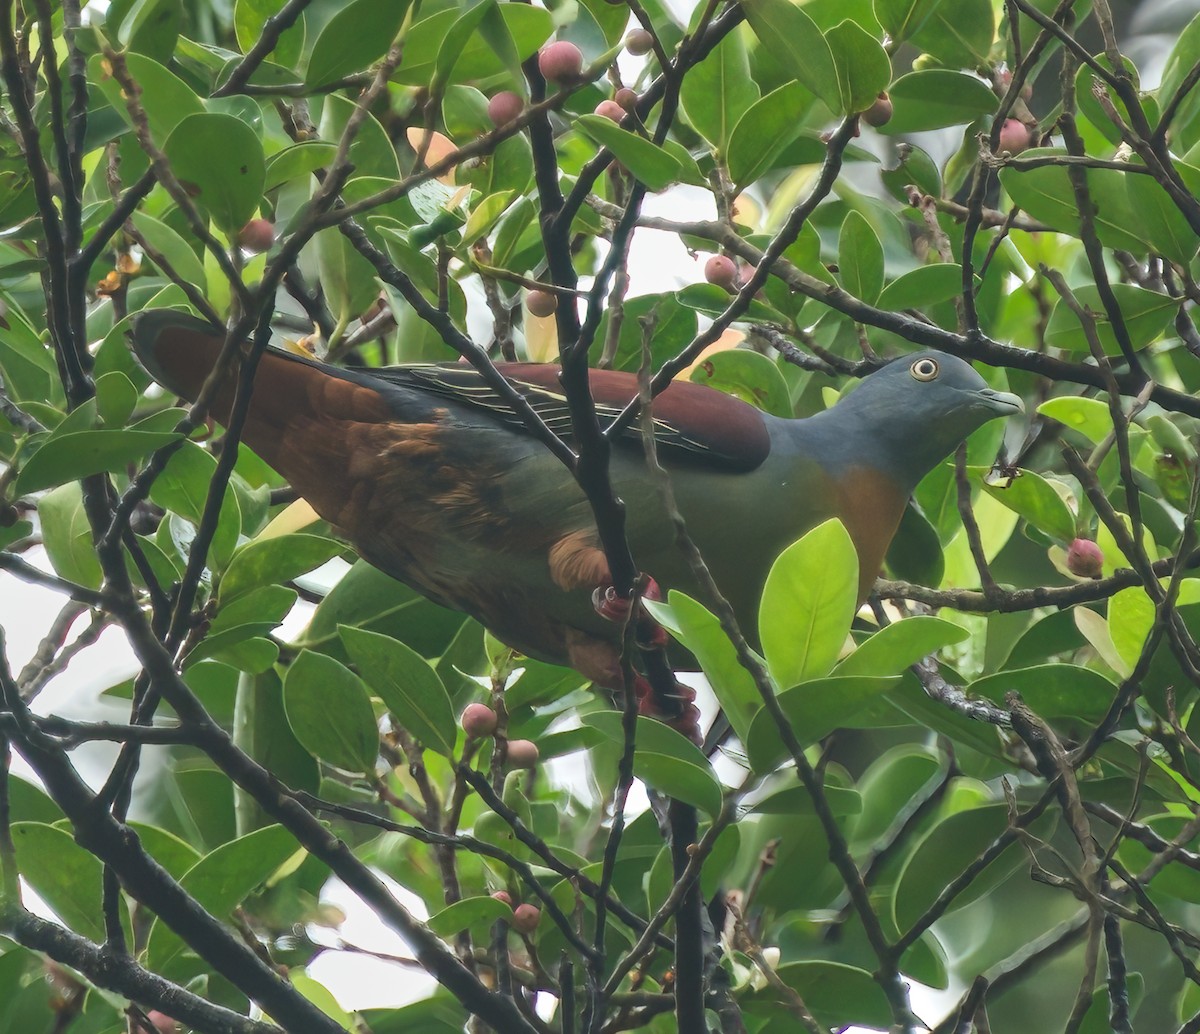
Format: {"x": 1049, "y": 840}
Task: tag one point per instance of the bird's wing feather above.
{"x": 690, "y": 421}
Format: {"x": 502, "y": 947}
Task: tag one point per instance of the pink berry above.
{"x": 610, "y": 110}
{"x": 638, "y": 42}
{"x": 526, "y": 918}
{"x": 162, "y": 1022}
{"x": 505, "y": 107}
{"x": 257, "y": 236}
{"x": 478, "y": 721}
{"x": 722, "y": 271}
{"x": 1085, "y": 559}
{"x": 1014, "y": 136}
{"x": 626, "y": 97}
{"x": 880, "y": 112}
{"x": 522, "y": 754}
{"x": 541, "y": 303}
{"x": 560, "y": 62}
{"x": 503, "y": 896}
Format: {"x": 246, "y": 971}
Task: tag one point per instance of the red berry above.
{"x": 722, "y": 271}
{"x": 257, "y": 236}
{"x": 1085, "y": 559}
{"x": 478, "y": 721}
{"x": 504, "y": 896}
{"x": 639, "y": 41}
{"x": 505, "y": 107}
{"x": 610, "y": 110}
{"x": 522, "y": 754}
{"x": 1014, "y": 136}
{"x": 541, "y": 303}
{"x": 560, "y": 62}
{"x": 880, "y": 112}
{"x": 526, "y": 918}
{"x": 626, "y": 97}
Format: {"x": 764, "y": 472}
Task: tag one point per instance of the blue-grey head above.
{"x": 908, "y": 416}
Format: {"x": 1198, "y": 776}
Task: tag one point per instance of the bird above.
{"x": 433, "y": 478}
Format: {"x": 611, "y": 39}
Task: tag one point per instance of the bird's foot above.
{"x": 686, "y": 716}
{"x": 616, "y": 608}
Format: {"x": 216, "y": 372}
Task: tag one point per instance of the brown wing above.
{"x": 690, "y": 420}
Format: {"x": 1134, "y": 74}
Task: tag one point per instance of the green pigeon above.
{"x": 438, "y": 483}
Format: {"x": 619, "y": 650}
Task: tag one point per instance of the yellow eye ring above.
{"x": 924, "y": 369}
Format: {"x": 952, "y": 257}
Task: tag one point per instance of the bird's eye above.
{"x": 924, "y": 369}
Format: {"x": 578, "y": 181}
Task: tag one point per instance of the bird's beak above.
{"x": 1001, "y": 402}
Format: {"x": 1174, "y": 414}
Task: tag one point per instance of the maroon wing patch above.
{"x": 689, "y": 419}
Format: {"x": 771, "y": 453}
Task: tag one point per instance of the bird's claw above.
{"x": 685, "y": 720}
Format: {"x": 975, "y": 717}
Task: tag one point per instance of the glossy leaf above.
{"x": 274, "y": 561}
{"x": 665, "y": 760}
{"x": 1052, "y": 690}
{"x": 1146, "y": 314}
{"x": 70, "y": 457}
{"x": 935, "y": 98}
{"x": 357, "y": 35}
{"x": 748, "y": 376}
{"x": 900, "y": 644}
{"x": 763, "y": 132}
{"x": 328, "y": 710}
{"x": 860, "y": 258}
{"x": 1034, "y": 498}
{"x": 646, "y": 161}
{"x": 219, "y": 160}
{"x": 808, "y": 603}
{"x": 68, "y": 878}
{"x": 406, "y": 683}
{"x": 794, "y": 40}
{"x": 468, "y": 914}
{"x": 813, "y": 710}
{"x": 863, "y": 66}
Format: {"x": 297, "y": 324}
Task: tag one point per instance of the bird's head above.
{"x": 912, "y": 413}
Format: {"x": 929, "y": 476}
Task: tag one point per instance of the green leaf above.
{"x": 946, "y": 850}
{"x": 486, "y": 215}
{"x": 301, "y": 159}
{"x": 904, "y": 18}
{"x": 65, "y": 876}
{"x": 1146, "y": 315}
{"x": 166, "y": 99}
{"x": 67, "y": 535}
{"x": 151, "y": 27}
{"x": 468, "y": 914}
{"x": 358, "y": 34}
{"x": 644, "y": 159}
{"x": 900, "y": 644}
{"x": 70, "y": 457}
{"x": 838, "y": 995}
{"x": 813, "y": 709}
{"x": 807, "y": 605}
{"x": 329, "y": 711}
{"x": 923, "y": 287}
{"x": 915, "y": 553}
{"x": 796, "y": 800}
{"x": 1090, "y": 417}
{"x": 407, "y": 685}
{"x": 664, "y": 759}
{"x": 528, "y": 26}
{"x": 860, "y": 258}
{"x": 764, "y": 131}
{"x": 249, "y": 17}
{"x": 173, "y": 854}
{"x": 1047, "y": 195}
{"x": 749, "y": 376}
{"x": 863, "y": 67}
{"x": 454, "y": 42}
{"x": 219, "y": 160}
{"x": 173, "y": 248}
{"x": 274, "y": 561}
{"x": 1184, "y": 55}
{"x": 719, "y": 91}
{"x": 1034, "y": 498}
{"x": 701, "y": 632}
{"x": 221, "y": 880}
{"x": 935, "y": 98}
{"x": 959, "y": 33}
{"x": 713, "y": 300}
{"x": 183, "y": 487}
{"x": 1052, "y": 690}
{"x": 793, "y": 39}
{"x": 1131, "y": 617}
{"x": 1159, "y": 219}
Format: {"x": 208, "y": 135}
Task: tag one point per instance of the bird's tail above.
{"x": 303, "y": 418}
